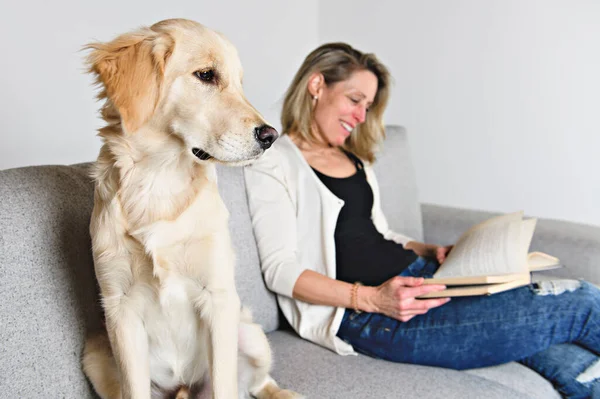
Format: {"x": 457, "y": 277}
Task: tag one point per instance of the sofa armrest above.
{"x": 576, "y": 245}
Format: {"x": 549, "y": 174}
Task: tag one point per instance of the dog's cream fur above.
{"x": 161, "y": 245}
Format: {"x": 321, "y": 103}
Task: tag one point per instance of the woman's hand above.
{"x": 441, "y": 253}
{"x": 396, "y": 298}
{"x": 436, "y": 252}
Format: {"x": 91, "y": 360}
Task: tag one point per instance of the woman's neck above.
{"x": 327, "y": 159}
{"x": 316, "y": 147}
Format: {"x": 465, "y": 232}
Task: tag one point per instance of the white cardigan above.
{"x": 294, "y": 216}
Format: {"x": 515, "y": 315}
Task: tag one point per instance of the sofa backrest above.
{"x": 248, "y": 278}
{"x": 48, "y": 295}
{"x": 398, "y": 184}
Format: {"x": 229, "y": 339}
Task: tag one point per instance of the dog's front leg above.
{"x": 130, "y": 347}
{"x": 223, "y": 315}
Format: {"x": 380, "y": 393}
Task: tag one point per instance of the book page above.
{"x": 487, "y": 289}
{"x": 527, "y": 228}
{"x": 539, "y": 261}
{"x": 489, "y": 248}
{"x": 475, "y": 280}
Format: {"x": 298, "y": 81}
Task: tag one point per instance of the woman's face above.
{"x": 342, "y": 106}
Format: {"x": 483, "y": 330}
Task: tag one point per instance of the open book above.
{"x": 491, "y": 257}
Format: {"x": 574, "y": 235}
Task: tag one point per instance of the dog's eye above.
{"x": 207, "y": 76}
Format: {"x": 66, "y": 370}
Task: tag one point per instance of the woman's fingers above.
{"x": 413, "y": 292}
{"x": 422, "y": 304}
{"x": 417, "y": 307}
{"x": 431, "y": 303}
{"x": 399, "y": 299}
{"x": 406, "y": 315}
{"x": 402, "y": 281}
{"x": 443, "y": 252}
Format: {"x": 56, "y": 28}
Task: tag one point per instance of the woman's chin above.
{"x": 341, "y": 139}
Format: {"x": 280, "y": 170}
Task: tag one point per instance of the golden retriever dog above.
{"x": 174, "y": 106}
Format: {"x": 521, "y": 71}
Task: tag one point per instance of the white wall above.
{"x": 501, "y": 98}
{"x": 47, "y": 107}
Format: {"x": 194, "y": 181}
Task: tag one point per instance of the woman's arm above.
{"x": 273, "y": 216}
{"x": 274, "y": 223}
{"x": 318, "y": 289}
{"x": 395, "y": 298}
{"x": 422, "y": 249}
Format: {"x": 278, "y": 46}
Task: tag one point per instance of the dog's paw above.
{"x": 183, "y": 393}
{"x": 286, "y": 394}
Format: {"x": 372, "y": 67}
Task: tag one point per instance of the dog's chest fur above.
{"x": 177, "y": 337}
{"x": 179, "y": 251}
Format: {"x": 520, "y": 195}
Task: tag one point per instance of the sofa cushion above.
{"x": 319, "y": 373}
{"x": 48, "y": 292}
{"x": 398, "y": 184}
{"x": 519, "y": 378}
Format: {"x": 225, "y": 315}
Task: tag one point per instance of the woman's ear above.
{"x": 316, "y": 83}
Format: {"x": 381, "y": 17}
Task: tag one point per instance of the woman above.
{"x": 347, "y": 282}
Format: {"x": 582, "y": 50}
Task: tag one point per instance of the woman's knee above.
{"x": 573, "y": 370}
{"x": 578, "y": 295}
{"x": 557, "y": 287}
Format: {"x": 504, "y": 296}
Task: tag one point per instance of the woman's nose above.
{"x": 360, "y": 114}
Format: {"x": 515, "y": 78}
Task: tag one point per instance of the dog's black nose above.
{"x": 265, "y": 135}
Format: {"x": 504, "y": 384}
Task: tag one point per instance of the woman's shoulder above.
{"x": 283, "y": 161}
{"x": 285, "y": 146}
{"x": 283, "y": 153}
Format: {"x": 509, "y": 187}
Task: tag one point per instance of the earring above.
{"x": 315, "y": 98}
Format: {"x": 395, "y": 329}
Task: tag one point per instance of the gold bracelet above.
{"x": 353, "y": 297}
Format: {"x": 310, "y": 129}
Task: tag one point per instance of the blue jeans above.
{"x": 552, "y": 327}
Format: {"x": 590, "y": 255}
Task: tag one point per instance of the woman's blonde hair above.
{"x": 337, "y": 62}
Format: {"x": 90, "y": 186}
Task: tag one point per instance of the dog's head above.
{"x": 183, "y": 79}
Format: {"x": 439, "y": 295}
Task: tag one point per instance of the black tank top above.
{"x": 362, "y": 254}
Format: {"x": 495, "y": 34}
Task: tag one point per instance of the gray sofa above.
{"x": 48, "y": 294}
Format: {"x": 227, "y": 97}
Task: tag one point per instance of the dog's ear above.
{"x": 131, "y": 70}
